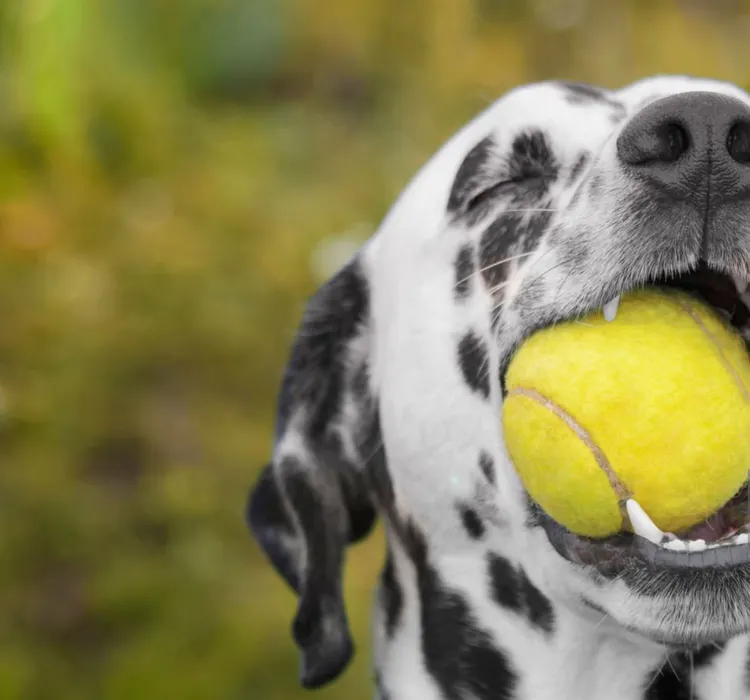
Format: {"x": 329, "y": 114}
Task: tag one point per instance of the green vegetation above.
{"x": 168, "y": 174}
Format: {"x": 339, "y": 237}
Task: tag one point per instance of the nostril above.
{"x": 738, "y": 142}
{"x": 673, "y": 141}
{"x": 653, "y": 139}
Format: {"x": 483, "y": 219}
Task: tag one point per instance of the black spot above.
{"x": 531, "y": 159}
{"x": 494, "y": 247}
{"x": 578, "y": 166}
{"x": 675, "y": 676}
{"x": 538, "y": 606}
{"x": 668, "y": 685}
{"x": 392, "y": 596}
{"x": 535, "y": 229}
{"x": 471, "y": 174}
{"x": 512, "y": 590}
{"x": 706, "y": 655}
{"x": 314, "y": 376}
{"x": 464, "y": 270}
{"x": 504, "y": 583}
{"x": 584, "y": 94}
{"x": 487, "y": 465}
{"x": 459, "y": 655}
{"x": 471, "y": 521}
{"x": 474, "y": 361}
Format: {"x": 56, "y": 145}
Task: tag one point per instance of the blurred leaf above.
{"x": 49, "y": 66}
{"x": 234, "y": 50}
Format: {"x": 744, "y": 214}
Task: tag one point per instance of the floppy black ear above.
{"x": 312, "y": 500}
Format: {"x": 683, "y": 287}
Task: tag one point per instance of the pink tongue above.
{"x": 710, "y": 530}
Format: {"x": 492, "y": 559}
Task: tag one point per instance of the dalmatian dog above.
{"x": 549, "y": 205}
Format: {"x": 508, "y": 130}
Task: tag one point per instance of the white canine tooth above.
{"x": 744, "y": 538}
{"x": 610, "y": 308}
{"x": 642, "y": 524}
{"x": 696, "y": 545}
{"x": 676, "y": 545}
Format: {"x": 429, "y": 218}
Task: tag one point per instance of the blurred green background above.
{"x": 175, "y": 179}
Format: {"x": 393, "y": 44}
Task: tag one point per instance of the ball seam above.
{"x": 621, "y": 490}
{"x": 722, "y": 357}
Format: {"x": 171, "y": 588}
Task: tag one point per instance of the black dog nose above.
{"x": 693, "y": 145}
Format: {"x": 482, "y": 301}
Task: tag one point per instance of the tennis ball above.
{"x": 654, "y": 405}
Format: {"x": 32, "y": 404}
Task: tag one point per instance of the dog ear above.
{"x": 312, "y": 500}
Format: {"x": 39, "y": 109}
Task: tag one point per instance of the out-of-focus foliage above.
{"x": 175, "y": 179}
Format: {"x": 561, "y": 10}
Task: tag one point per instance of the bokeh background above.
{"x": 176, "y": 178}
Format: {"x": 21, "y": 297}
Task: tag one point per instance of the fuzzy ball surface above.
{"x": 654, "y": 405}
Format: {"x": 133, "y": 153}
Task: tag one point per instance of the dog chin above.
{"x": 685, "y": 634}
{"x": 685, "y": 620}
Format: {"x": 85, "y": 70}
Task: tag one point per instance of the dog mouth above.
{"x": 722, "y": 539}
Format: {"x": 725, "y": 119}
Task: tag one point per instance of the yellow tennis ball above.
{"x": 653, "y": 405}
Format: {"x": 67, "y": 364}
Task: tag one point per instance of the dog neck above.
{"x": 454, "y": 624}
{"x": 590, "y": 658}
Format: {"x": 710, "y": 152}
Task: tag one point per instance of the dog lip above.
{"x": 611, "y": 555}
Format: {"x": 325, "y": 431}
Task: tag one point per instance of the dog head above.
{"x": 549, "y": 205}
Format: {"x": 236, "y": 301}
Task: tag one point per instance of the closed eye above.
{"x": 505, "y": 186}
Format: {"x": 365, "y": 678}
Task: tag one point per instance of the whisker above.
{"x": 590, "y": 167}
{"x": 489, "y": 267}
{"x": 656, "y": 675}
{"x": 498, "y": 287}
{"x": 606, "y": 615}
{"x": 674, "y": 670}
{"x": 530, "y": 210}
{"x": 546, "y": 272}
{"x": 562, "y": 284}
{"x": 495, "y": 312}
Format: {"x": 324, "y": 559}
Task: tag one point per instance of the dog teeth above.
{"x": 642, "y": 524}
{"x": 610, "y": 308}
{"x": 678, "y": 545}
